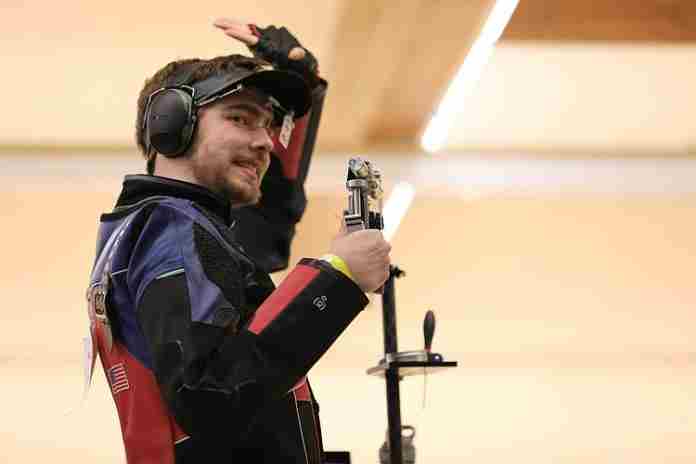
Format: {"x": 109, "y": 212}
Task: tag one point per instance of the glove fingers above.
{"x": 287, "y": 40}
{"x": 237, "y": 30}
{"x": 280, "y": 47}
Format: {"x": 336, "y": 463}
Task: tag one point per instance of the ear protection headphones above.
{"x": 170, "y": 120}
{"x": 171, "y": 112}
{"x": 171, "y": 115}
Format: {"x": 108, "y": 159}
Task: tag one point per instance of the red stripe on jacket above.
{"x": 301, "y": 390}
{"x": 291, "y": 157}
{"x": 149, "y": 431}
{"x": 288, "y": 290}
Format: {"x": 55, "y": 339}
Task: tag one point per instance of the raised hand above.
{"x": 276, "y": 45}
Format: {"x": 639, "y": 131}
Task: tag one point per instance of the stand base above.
{"x": 410, "y": 363}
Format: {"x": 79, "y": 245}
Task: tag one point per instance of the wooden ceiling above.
{"x": 395, "y": 60}
{"x": 388, "y": 62}
{"x": 406, "y": 61}
{"x": 663, "y": 21}
{"x": 416, "y": 59}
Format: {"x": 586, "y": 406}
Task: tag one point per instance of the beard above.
{"x": 226, "y": 181}
{"x": 239, "y": 192}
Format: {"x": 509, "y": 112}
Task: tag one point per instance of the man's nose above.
{"x": 261, "y": 140}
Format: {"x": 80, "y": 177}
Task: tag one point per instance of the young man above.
{"x": 206, "y": 360}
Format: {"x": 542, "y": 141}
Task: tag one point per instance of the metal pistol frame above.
{"x": 365, "y": 196}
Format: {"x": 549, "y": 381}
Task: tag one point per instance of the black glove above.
{"x": 275, "y": 44}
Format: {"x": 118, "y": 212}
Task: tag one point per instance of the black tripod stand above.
{"x": 395, "y": 365}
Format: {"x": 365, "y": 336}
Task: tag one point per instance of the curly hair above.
{"x": 193, "y": 70}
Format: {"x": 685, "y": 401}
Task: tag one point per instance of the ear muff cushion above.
{"x": 170, "y": 122}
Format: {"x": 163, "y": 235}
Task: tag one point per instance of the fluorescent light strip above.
{"x": 396, "y": 207}
{"x": 468, "y": 75}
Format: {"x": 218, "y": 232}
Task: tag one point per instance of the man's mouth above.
{"x": 249, "y": 171}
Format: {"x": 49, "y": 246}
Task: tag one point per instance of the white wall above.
{"x": 570, "y": 312}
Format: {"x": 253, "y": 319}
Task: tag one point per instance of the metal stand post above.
{"x": 392, "y": 373}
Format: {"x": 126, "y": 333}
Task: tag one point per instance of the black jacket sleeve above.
{"x": 267, "y": 229}
{"x": 216, "y": 377}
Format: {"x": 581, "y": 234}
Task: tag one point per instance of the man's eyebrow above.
{"x": 248, "y": 107}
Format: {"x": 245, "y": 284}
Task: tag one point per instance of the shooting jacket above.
{"x": 206, "y": 360}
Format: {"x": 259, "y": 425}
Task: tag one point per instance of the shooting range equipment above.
{"x": 365, "y": 195}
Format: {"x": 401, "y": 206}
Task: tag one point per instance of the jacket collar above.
{"x": 139, "y": 187}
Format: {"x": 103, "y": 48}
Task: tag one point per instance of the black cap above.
{"x": 287, "y": 88}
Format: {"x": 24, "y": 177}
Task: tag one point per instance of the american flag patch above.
{"x": 118, "y": 378}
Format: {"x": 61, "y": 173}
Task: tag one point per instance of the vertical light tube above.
{"x": 468, "y": 75}
{"x": 396, "y": 207}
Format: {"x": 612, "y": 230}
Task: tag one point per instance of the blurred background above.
{"x": 551, "y": 231}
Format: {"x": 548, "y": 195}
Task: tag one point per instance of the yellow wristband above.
{"x": 338, "y": 264}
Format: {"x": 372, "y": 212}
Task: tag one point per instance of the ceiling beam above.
{"x": 442, "y": 35}
{"x": 393, "y": 62}
{"x": 369, "y": 40}
{"x": 607, "y": 21}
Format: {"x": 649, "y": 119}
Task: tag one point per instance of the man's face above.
{"x": 232, "y": 146}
